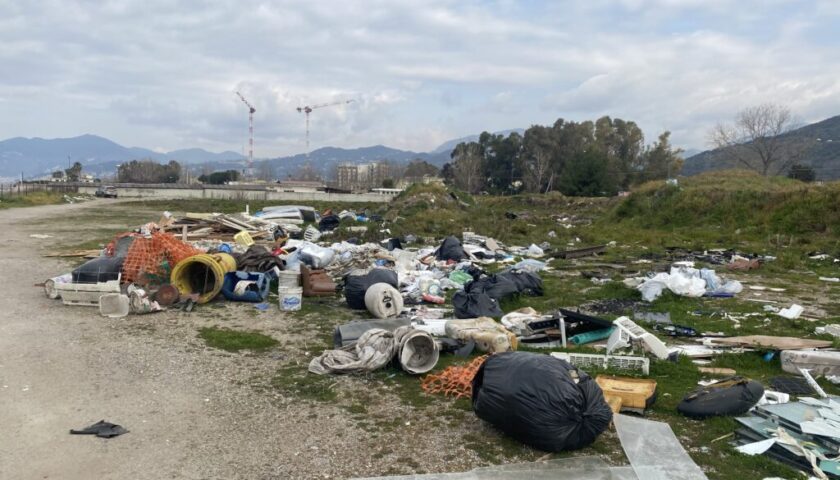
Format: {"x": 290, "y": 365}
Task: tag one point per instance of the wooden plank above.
{"x": 778, "y": 343}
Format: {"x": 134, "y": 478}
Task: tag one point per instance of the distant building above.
{"x": 304, "y": 186}
{"x": 361, "y": 176}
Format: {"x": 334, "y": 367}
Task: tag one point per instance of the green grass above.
{"x": 235, "y": 340}
{"x": 31, "y": 199}
{"x": 777, "y": 216}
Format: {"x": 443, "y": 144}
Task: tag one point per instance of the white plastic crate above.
{"x": 86, "y": 294}
{"x": 621, "y": 362}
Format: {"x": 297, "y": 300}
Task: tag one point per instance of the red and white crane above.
{"x": 308, "y": 109}
{"x": 251, "y": 111}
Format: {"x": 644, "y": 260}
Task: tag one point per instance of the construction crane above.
{"x": 251, "y": 111}
{"x": 308, "y": 109}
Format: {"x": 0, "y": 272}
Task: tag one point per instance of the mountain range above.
{"x": 823, "y": 155}
{"x": 38, "y": 157}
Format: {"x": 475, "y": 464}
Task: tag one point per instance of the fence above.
{"x": 24, "y": 188}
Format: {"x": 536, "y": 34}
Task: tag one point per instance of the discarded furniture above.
{"x": 316, "y": 283}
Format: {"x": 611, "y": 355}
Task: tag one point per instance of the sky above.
{"x": 163, "y": 75}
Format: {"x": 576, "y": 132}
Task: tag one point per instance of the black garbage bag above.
{"x": 451, "y": 249}
{"x": 527, "y": 283}
{"x": 393, "y": 243}
{"x": 474, "y": 305}
{"x": 355, "y": 286}
{"x": 495, "y": 286}
{"x": 534, "y": 399}
{"x": 729, "y": 396}
{"x": 100, "y": 269}
{"x": 330, "y": 222}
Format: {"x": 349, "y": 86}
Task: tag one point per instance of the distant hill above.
{"x": 100, "y": 156}
{"x": 824, "y": 156}
{"x": 38, "y": 156}
{"x": 325, "y": 159}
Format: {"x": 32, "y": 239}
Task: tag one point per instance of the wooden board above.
{"x": 777, "y": 343}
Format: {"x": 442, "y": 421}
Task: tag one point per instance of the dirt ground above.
{"x": 192, "y": 411}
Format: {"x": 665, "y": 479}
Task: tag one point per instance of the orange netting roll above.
{"x": 454, "y": 380}
{"x": 155, "y": 256}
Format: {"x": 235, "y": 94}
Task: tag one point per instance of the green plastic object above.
{"x": 593, "y": 336}
{"x": 460, "y": 277}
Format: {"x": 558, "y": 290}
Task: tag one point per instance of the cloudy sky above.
{"x": 162, "y": 74}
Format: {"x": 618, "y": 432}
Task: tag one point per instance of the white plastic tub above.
{"x": 290, "y": 298}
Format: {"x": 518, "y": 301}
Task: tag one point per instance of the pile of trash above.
{"x": 428, "y": 299}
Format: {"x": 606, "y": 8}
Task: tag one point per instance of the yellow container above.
{"x": 202, "y": 274}
{"x": 244, "y": 238}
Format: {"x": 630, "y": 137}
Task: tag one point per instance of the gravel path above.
{"x": 192, "y": 412}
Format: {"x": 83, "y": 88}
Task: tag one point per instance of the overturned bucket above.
{"x": 416, "y": 350}
{"x": 202, "y": 274}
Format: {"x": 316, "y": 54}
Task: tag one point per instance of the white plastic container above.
{"x": 86, "y": 294}
{"x": 114, "y": 305}
{"x": 288, "y": 279}
{"x": 290, "y": 298}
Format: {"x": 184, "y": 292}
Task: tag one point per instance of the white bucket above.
{"x": 290, "y": 298}
{"x": 288, "y": 279}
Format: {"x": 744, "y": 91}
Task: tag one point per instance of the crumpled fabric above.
{"x": 257, "y": 259}
{"x": 374, "y": 349}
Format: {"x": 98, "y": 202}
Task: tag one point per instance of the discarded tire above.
{"x": 202, "y": 274}
{"x": 540, "y": 400}
{"x": 730, "y": 396}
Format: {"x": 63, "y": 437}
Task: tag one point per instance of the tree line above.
{"x": 587, "y": 158}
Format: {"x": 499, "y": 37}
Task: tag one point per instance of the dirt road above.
{"x": 189, "y": 413}
{"x": 192, "y": 411}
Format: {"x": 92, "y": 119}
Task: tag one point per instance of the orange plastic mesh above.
{"x": 155, "y": 256}
{"x": 455, "y": 380}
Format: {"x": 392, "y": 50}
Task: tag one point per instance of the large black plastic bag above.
{"x": 355, "y": 286}
{"x": 526, "y": 282}
{"x": 495, "y": 286}
{"x": 534, "y": 399}
{"x": 100, "y": 269}
{"x": 729, "y": 396}
{"x": 451, "y": 249}
{"x": 474, "y": 305}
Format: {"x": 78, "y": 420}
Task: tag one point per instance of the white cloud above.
{"x": 163, "y": 73}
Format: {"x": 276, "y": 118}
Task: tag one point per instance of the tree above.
{"x": 500, "y": 161}
{"x": 801, "y": 172}
{"x": 757, "y": 139}
{"x": 388, "y": 183}
{"x": 588, "y": 175}
{"x": 220, "y": 178}
{"x": 538, "y": 151}
{"x": 74, "y": 173}
{"x": 418, "y": 168}
{"x": 659, "y": 161}
{"x": 467, "y": 167}
{"x": 149, "y": 171}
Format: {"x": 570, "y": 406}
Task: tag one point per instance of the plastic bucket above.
{"x": 288, "y": 279}
{"x": 290, "y": 298}
{"x": 202, "y": 274}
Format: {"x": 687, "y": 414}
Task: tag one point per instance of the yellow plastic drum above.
{"x": 202, "y": 274}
